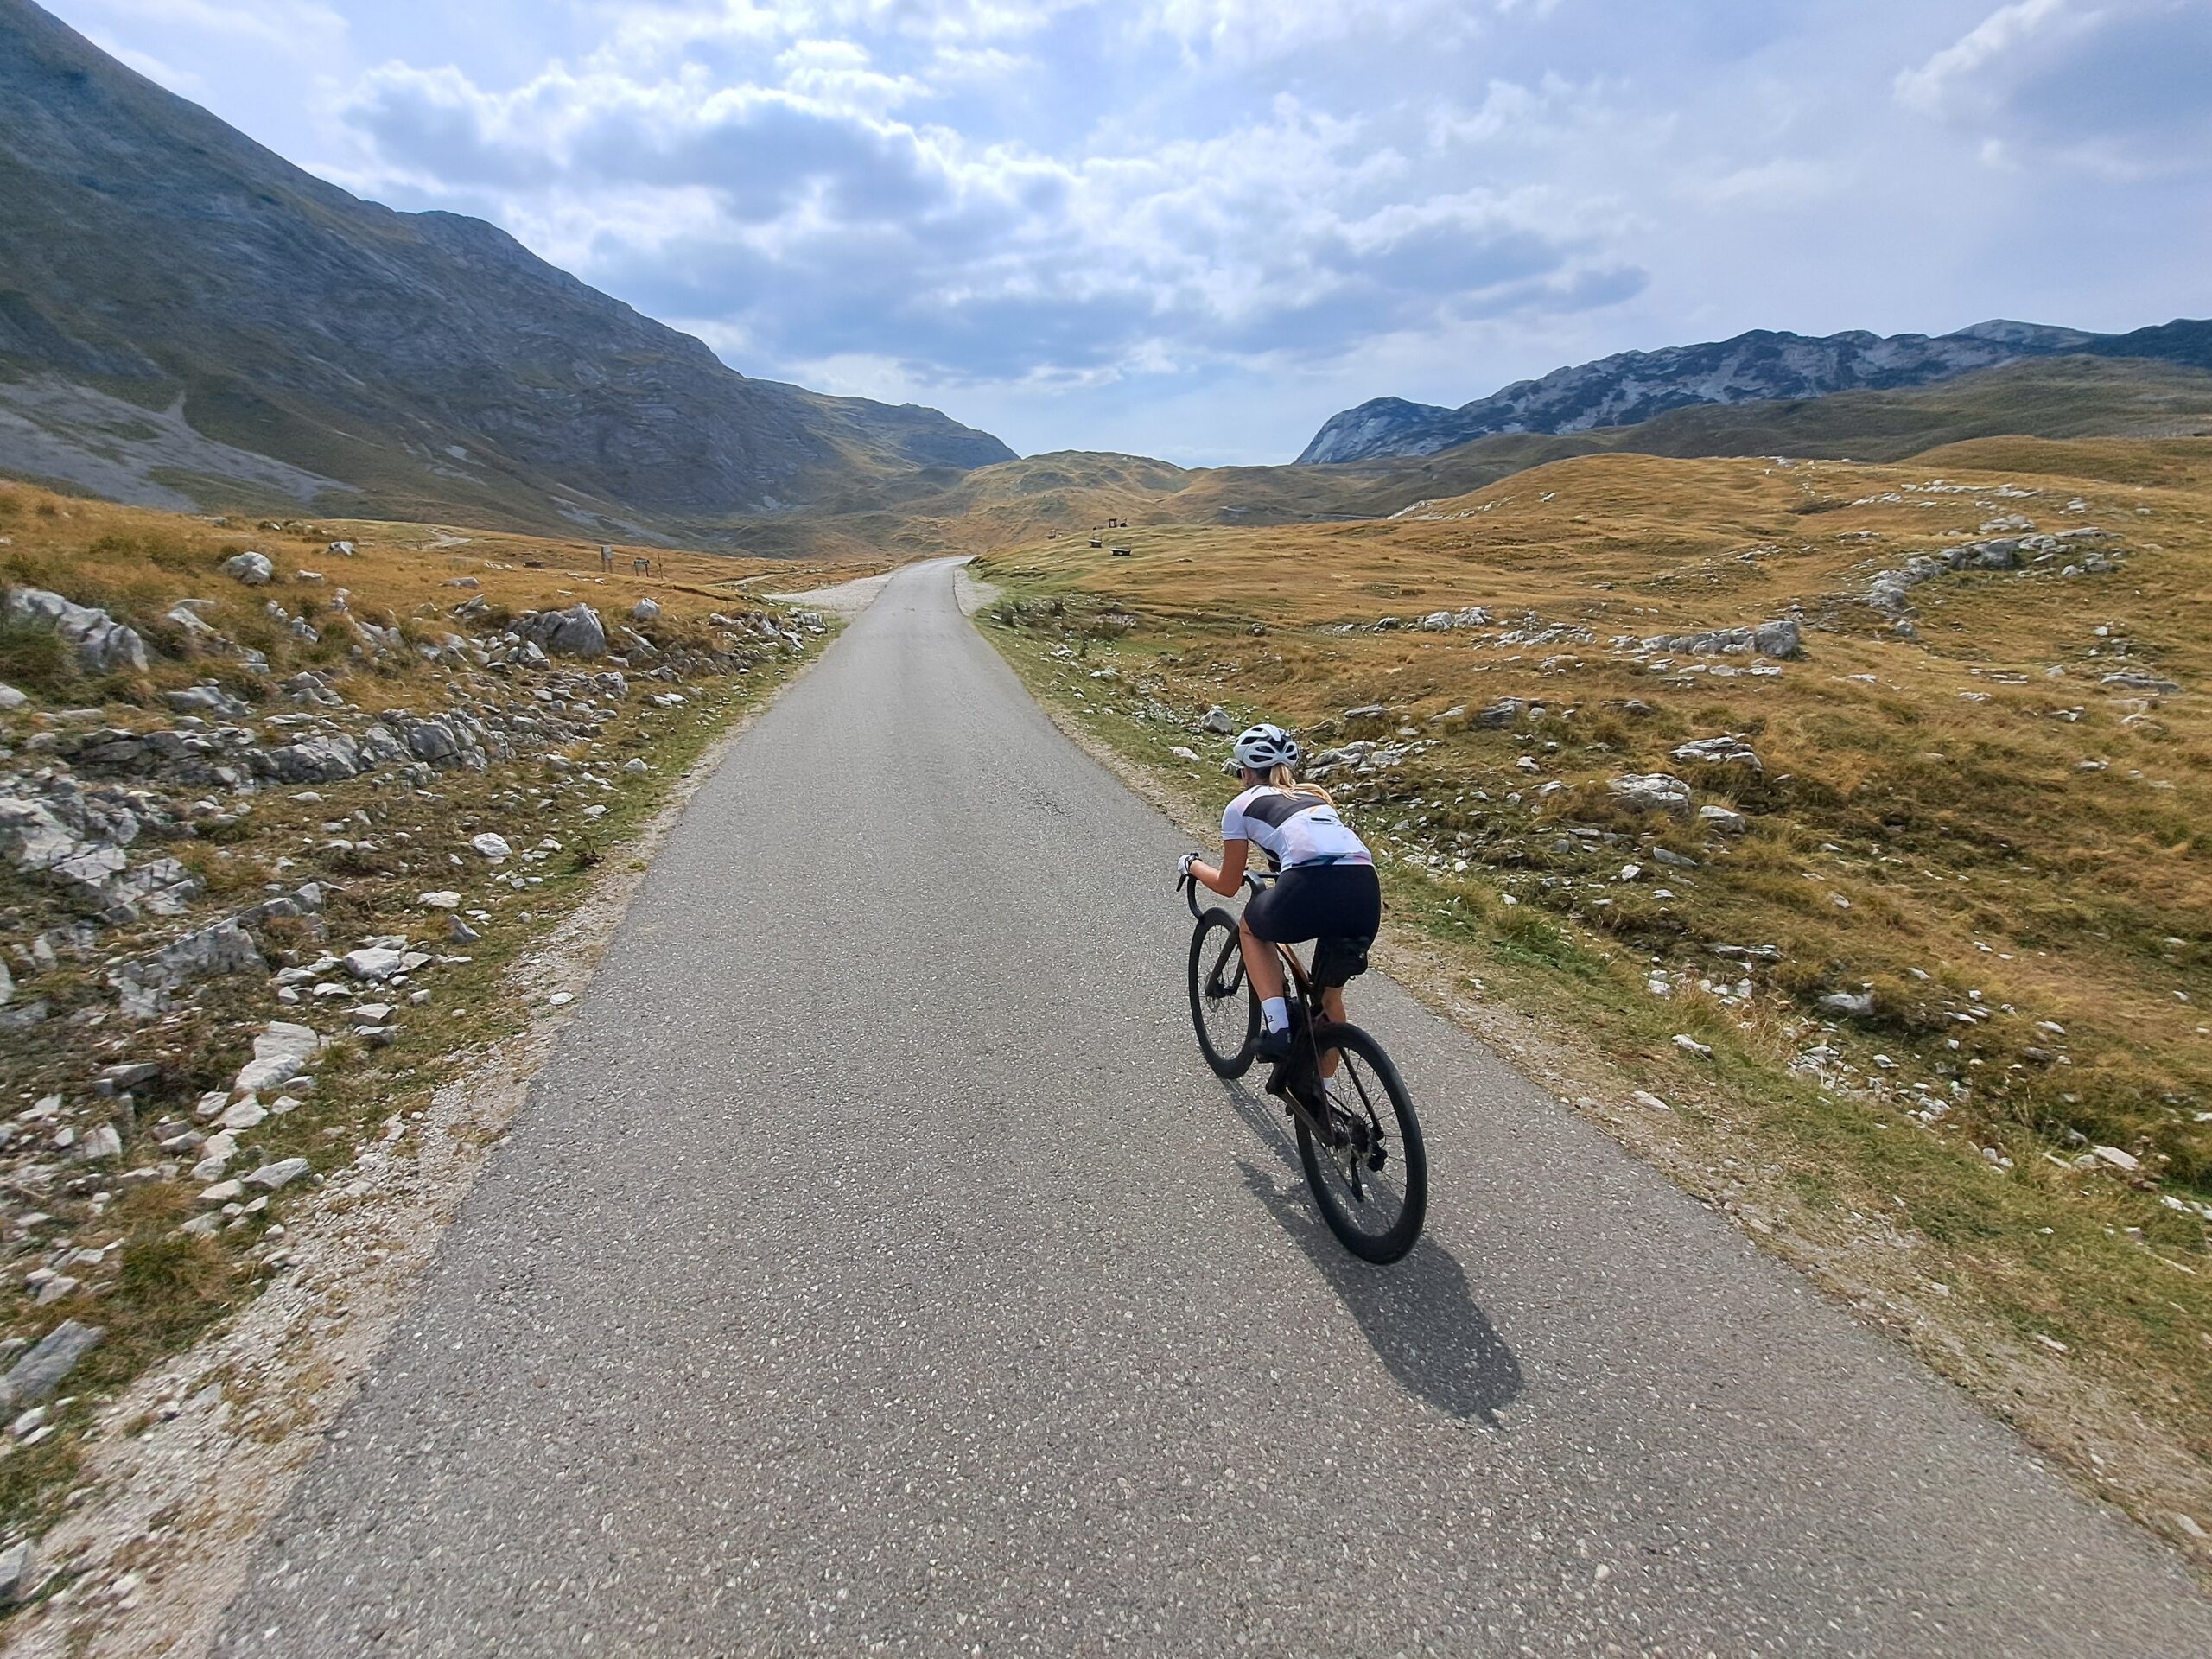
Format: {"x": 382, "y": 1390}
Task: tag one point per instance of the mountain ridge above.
{"x": 150, "y": 252}
{"x": 1757, "y": 366}
{"x": 1036, "y": 498}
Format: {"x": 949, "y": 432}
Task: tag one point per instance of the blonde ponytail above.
{"x": 1281, "y": 776}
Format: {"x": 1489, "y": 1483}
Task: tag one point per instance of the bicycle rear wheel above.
{"x": 1223, "y": 1008}
{"x": 1372, "y": 1185}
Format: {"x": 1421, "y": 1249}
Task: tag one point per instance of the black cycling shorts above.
{"x": 1340, "y": 905}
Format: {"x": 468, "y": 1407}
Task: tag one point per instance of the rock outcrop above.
{"x": 102, "y": 645}
{"x": 1633, "y": 386}
{"x": 2084, "y": 550}
{"x": 576, "y": 632}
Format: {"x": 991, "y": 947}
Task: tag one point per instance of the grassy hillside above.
{"x": 1948, "y": 934}
{"x": 2058, "y": 397}
{"x": 188, "y": 318}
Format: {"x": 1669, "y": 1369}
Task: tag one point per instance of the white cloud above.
{"x": 833, "y": 230}
{"x": 1203, "y": 225}
{"x": 1249, "y": 31}
{"x": 2118, "y": 87}
{"x": 1783, "y": 183}
{"x": 839, "y": 74}
{"x": 650, "y": 35}
{"x": 293, "y": 24}
{"x": 1955, "y": 76}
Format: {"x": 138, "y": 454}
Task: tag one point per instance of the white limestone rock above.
{"x": 275, "y": 1177}
{"x": 1655, "y": 791}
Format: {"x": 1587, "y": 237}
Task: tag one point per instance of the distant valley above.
{"x": 1040, "y": 496}
{"x": 189, "y": 321}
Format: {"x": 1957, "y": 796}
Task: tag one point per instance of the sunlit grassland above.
{"x": 2008, "y": 852}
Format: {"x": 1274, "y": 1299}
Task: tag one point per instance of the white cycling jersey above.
{"x": 1292, "y": 828}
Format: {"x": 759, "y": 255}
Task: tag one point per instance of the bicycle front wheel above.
{"x": 1222, "y": 1005}
{"x": 1371, "y": 1180}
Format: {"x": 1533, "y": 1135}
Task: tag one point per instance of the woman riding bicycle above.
{"x": 1327, "y": 890}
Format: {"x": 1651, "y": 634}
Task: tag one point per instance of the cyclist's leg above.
{"x": 1260, "y": 924}
{"x": 1332, "y": 1007}
{"x": 1262, "y": 967}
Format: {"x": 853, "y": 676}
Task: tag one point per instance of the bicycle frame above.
{"x": 1299, "y": 980}
{"x": 1256, "y": 879}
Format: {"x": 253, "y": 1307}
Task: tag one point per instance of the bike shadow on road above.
{"x": 1418, "y": 1314}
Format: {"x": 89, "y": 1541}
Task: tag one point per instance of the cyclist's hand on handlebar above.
{"x": 1183, "y": 865}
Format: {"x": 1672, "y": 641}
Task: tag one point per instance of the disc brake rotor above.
{"x": 1353, "y": 1143}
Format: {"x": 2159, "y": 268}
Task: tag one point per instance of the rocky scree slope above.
{"x": 1758, "y": 366}
{"x": 149, "y": 254}
{"x": 261, "y": 845}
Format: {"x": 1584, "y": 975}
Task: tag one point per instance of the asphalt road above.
{"x": 877, "y": 1268}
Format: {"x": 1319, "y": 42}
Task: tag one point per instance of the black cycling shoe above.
{"x": 1272, "y": 1045}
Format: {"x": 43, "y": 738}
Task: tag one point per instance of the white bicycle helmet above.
{"x": 1262, "y": 749}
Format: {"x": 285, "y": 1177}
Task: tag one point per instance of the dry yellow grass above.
{"x": 1983, "y": 783}
{"x": 2005, "y": 848}
{"x": 127, "y": 557}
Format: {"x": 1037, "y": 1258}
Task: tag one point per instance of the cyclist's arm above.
{"x": 1226, "y": 880}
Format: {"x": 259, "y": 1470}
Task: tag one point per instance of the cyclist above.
{"x": 1327, "y": 890}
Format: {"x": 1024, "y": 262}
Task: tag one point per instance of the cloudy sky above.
{"x": 1197, "y": 228}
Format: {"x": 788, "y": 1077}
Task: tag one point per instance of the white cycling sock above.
{"x": 1275, "y": 1011}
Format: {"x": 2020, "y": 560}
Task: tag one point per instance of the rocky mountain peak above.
{"x": 1755, "y": 366}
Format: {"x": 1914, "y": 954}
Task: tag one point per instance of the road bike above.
{"x": 1357, "y": 1136}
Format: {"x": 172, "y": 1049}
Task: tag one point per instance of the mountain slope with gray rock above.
{"x": 1760, "y": 366}
{"x": 186, "y": 318}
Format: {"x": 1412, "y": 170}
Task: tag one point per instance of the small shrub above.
{"x": 171, "y": 1285}
{"x": 240, "y": 681}
{"x": 1609, "y": 734}
{"x": 164, "y": 636}
{"x": 259, "y": 633}
{"x": 33, "y": 1480}
{"x": 33, "y": 658}
{"x": 172, "y": 554}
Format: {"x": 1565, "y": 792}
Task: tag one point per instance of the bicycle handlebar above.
{"x": 1187, "y": 885}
